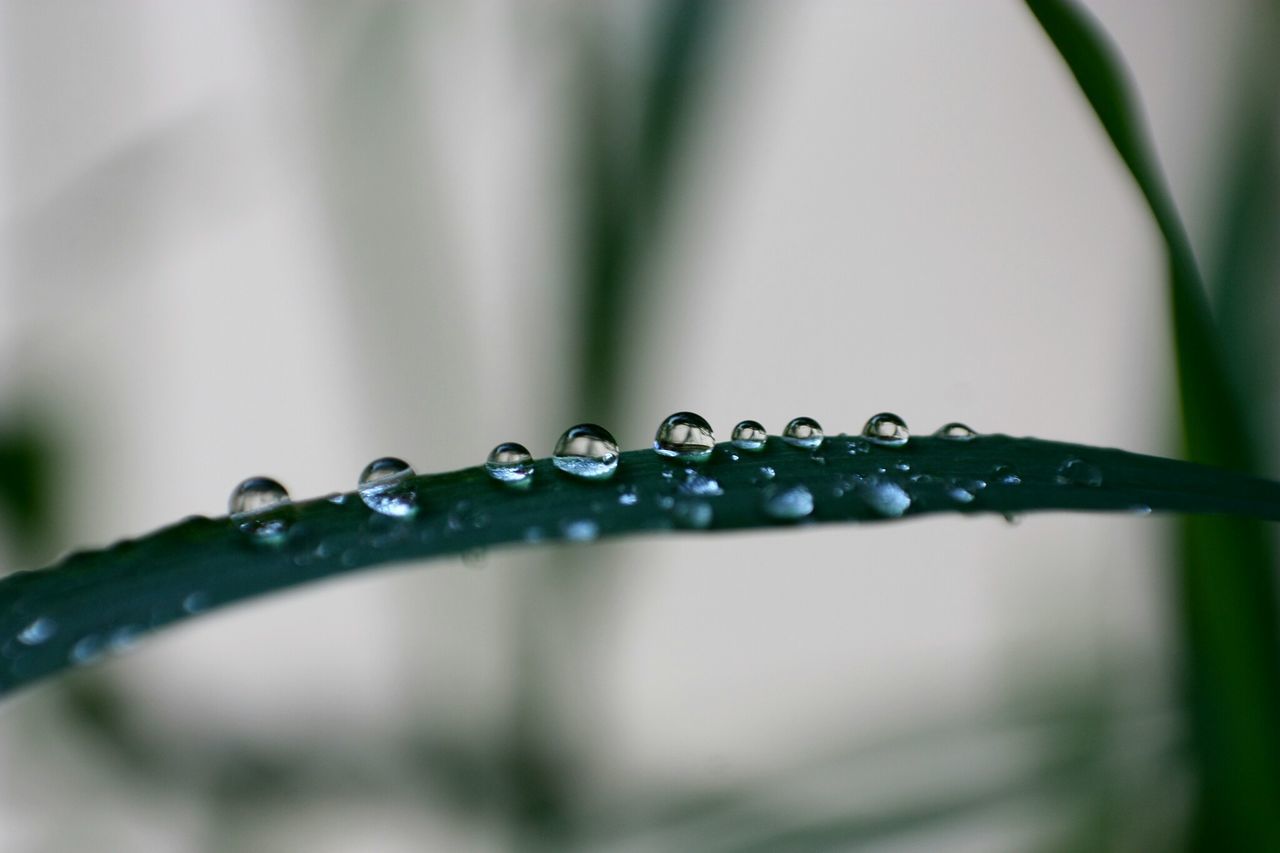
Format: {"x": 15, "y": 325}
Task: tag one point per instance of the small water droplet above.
{"x": 888, "y": 429}
{"x": 338, "y": 498}
{"x": 764, "y": 475}
{"x": 857, "y": 445}
{"x": 580, "y": 530}
{"x": 790, "y": 504}
{"x": 803, "y": 432}
{"x": 1077, "y": 472}
{"x": 1006, "y": 476}
{"x": 124, "y": 638}
{"x": 255, "y": 495}
{"x": 685, "y": 436}
{"x": 902, "y": 466}
{"x": 628, "y": 495}
{"x": 886, "y": 498}
{"x": 510, "y": 463}
{"x": 695, "y": 483}
{"x": 960, "y": 495}
{"x": 196, "y": 602}
{"x": 692, "y": 515}
{"x": 86, "y": 650}
{"x": 955, "y": 431}
{"x": 385, "y": 488}
{"x": 1140, "y": 509}
{"x": 587, "y": 451}
{"x": 38, "y": 631}
{"x": 749, "y": 435}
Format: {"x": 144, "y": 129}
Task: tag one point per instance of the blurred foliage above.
{"x": 1226, "y": 574}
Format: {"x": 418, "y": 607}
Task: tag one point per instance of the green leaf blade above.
{"x": 101, "y": 601}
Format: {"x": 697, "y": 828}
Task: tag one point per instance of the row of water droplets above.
{"x": 590, "y": 452}
{"x": 259, "y": 505}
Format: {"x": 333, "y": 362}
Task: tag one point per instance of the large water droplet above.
{"x": 803, "y": 432}
{"x": 791, "y": 504}
{"x": 385, "y": 488}
{"x": 685, "y": 436}
{"x": 1077, "y": 472}
{"x": 955, "y": 431}
{"x": 750, "y": 435}
{"x": 587, "y": 451}
{"x": 886, "y": 498}
{"x": 511, "y": 463}
{"x": 255, "y": 495}
{"x": 38, "y": 631}
{"x": 256, "y": 504}
{"x": 888, "y": 429}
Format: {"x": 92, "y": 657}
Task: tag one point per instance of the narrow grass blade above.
{"x": 1227, "y": 576}
{"x": 96, "y": 602}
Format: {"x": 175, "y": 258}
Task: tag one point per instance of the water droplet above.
{"x": 256, "y": 494}
{"x": 1077, "y": 472}
{"x": 685, "y": 436}
{"x": 955, "y": 431}
{"x": 336, "y": 498}
{"x": 886, "y": 498}
{"x": 385, "y": 488}
{"x": 803, "y": 432}
{"x": 695, "y": 483}
{"x": 791, "y": 504}
{"x": 587, "y": 451}
{"x": 1140, "y": 509}
{"x": 1006, "y": 476}
{"x": 511, "y": 463}
{"x": 749, "y": 435}
{"x": 259, "y": 507}
{"x": 627, "y": 495}
{"x": 124, "y": 638}
{"x": 960, "y": 495}
{"x": 86, "y": 650}
{"x": 580, "y": 530}
{"x": 888, "y": 429}
{"x": 38, "y": 631}
{"x": 764, "y": 475}
{"x": 196, "y": 602}
{"x": 692, "y": 515}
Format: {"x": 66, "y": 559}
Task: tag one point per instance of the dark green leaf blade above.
{"x": 95, "y": 602}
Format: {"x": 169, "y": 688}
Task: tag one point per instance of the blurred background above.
{"x": 286, "y": 238}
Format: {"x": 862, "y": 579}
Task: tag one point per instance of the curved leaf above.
{"x": 98, "y": 601}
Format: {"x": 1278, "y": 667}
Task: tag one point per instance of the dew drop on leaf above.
{"x": 790, "y": 504}
{"x": 685, "y": 436}
{"x": 384, "y": 487}
{"x": 510, "y": 463}
{"x": 255, "y": 495}
{"x": 803, "y": 432}
{"x": 587, "y": 451}
{"x": 580, "y": 530}
{"x": 1077, "y": 472}
{"x": 692, "y": 514}
{"x": 255, "y": 505}
{"x": 749, "y": 435}
{"x": 38, "y": 631}
{"x": 886, "y": 498}
{"x": 955, "y": 431}
{"x": 888, "y": 429}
